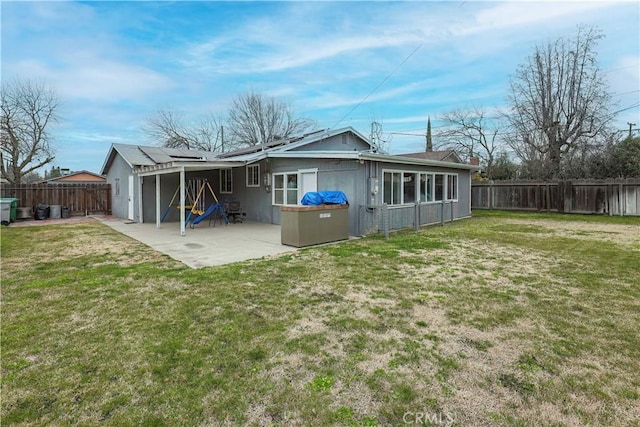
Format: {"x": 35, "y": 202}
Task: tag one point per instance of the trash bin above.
{"x": 25, "y": 213}
{"x": 42, "y": 212}
{"x": 55, "y": 211}
{"x": 12, "y": 205}
{"x": 323, "y": 218}
{"x": 66, "y": 212}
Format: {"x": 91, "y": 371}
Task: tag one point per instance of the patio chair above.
{"x": 234, "y": 211}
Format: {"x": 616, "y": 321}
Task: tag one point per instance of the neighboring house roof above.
{"x": 80, "y": 176}
{"x": 443, "y": 156}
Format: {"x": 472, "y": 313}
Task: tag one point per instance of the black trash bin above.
{"x": 42, "y": 212}
{"x": 66, "y": 212}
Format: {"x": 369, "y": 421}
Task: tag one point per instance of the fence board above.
{"x": 81, "y": 199}
{"x": 612, "y": 197}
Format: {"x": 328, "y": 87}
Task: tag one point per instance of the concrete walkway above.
{"x": 206, "y": 246}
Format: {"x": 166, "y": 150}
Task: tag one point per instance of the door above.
{"x": 130, "y": 198}
{"x": 308, "y": 182}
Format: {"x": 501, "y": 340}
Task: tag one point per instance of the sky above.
{"x": 113, "y": 64}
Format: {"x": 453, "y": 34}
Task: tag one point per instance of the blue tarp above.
{"x": 315, "y": 198}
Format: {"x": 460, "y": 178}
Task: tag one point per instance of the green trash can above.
{"x": 12, "y": 203}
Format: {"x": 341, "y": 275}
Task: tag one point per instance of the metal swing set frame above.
{"x": 197, "y": 205}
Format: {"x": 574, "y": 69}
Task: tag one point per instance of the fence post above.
{"x": 442, "y": 212}
{"x": 491, "y": 195}
{"x": 622, "y": 203}
{"x": 451, "y": 211}
{"x": 417, "y": 216}
{"x": 385, "y": 220}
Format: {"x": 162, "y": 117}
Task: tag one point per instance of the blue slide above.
{"x": 210, "y": 210}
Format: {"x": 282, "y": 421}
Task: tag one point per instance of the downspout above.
{"x": 158, "y": 200}
{"x": 140, "y": 215}
{"x": 182, "y": 198}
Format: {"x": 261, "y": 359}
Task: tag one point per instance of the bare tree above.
{"x": 169, "y": 129}
{"x": 559, "y": 100}
{"x": 255, "y": 119}
{"x": 28, "y": 109}
{"x": 473, "y": 133}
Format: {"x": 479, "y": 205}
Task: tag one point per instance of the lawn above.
{"x": 502, "y": 319}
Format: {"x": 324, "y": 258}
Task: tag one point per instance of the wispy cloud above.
{"x": 114, "y": 63}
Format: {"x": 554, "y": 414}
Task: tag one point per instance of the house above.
{"x": 383, "y": 190}
{"x": 80, "y": 177}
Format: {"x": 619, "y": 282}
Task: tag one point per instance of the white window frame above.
{"x": 117, "y": 185}
{"x": 285, "y": 180}
{"x": 455, "y": 195}
{"x": 432, "y": 184}
{"x": 298, "y": 174}
{"x": 253, "y": 171}
{"x": 224, "y": 174}
{"x": 444, "y": 187}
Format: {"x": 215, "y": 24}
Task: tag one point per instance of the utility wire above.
{"x": 378, "y": 87}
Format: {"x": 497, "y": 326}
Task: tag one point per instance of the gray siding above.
{"x": 373, "y": 217}
{"x": 340, "y": 175}
{"x": 119, "y": 169}
{"x": 255, "y": 201}
{"x": 344, "y": 142}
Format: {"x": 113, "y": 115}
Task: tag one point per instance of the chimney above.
{"x": 474, "y": 161}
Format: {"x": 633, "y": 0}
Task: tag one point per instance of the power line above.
{"x": 637, "y": 104}
{"x": 377, "y": 87}
{"x": 627, "y": 93}
{"x": 619, "y": 68}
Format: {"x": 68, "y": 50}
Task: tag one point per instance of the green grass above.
{"x": 503, "y": 319}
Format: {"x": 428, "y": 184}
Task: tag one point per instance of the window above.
{"x": 285, "y": 188}
{"x": 117, "y": 184}
{"x": 409, "y": 187}
{"x": 392, "y": 188}
{"x": 452, "y": 187}
{"x": 400, "y": 187}
{"x": 439, "y": 187}
{"x": 426, "y": 187}
{"x": 226, "y": 181}
{"x": 253, "y": 175}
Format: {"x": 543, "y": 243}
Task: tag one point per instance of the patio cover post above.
{"x": 182, "y": 228}
{"x": 158, "y": 200}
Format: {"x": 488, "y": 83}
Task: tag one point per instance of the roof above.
{"x": 153, "y": 160}
{"x": 79, "y": 176}
{"x": 416, "y": 161}
{"x": 443, "y": 155}
{"x": 291, "y": 143}
{"x": 141, "y": 155}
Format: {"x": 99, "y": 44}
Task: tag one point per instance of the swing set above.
{"x": 196, "y": 202}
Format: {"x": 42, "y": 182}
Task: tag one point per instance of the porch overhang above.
{"x": 177, "y": 167}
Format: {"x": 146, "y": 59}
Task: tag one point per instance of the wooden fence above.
{"x": 81, "y": 199}
{"x": 610, "y": 197}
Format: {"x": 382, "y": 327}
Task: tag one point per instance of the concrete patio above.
{"x": 206, "y": 246}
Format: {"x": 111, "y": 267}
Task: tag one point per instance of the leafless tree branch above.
{"x": 559, "y": 101}
{"x": 255, "y": 119}
{"x": 28, "y": 110}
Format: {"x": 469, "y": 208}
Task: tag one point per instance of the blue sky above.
{"x": 115, "y": 63}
